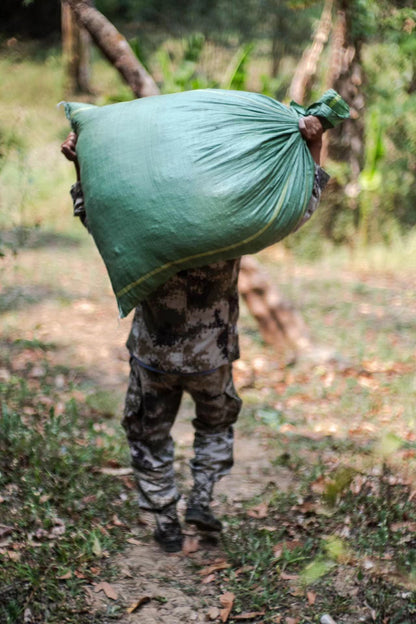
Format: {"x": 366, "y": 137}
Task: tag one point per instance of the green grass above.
{"x": 353, "y": 553}
{"x": 59, "y": 508}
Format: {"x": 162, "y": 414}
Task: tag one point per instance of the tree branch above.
{"x": 115, "y": 48}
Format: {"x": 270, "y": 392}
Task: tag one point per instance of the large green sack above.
{"x": 178, "y": 181}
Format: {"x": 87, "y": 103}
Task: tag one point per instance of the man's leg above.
{"x": 152, "y": 402}
{"x": 217, "y": 409}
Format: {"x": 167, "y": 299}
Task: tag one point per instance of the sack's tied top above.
{"x": 330, "y": 108}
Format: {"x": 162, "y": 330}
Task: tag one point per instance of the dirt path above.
{"x": 175, "y": 592}
{"x": 81, "y": 322}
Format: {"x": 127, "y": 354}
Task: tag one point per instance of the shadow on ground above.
{"x": 20, "y": 297}
{"x": 35, "y": 238}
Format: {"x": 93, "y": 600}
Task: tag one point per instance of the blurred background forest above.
{"x": 370, "y": 57}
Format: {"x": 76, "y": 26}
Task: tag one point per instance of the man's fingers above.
{"x": 68, "y": 151}
{"x": 68, "y": 146}
{"x": 311, "y": 128}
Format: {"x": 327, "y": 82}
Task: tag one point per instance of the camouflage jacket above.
{"x": 189, "y": 324}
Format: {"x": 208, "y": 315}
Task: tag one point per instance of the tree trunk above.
{"x": 346, "y": 142}
{"x": 114, "y": 47}
{"x": 76, "y": 44}
{"x": 277, "y": 45}
{"x": 280, "y": 324}
{"x": 306, "y": 69}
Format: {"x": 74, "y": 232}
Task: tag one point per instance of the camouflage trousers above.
{"x": 152, "y": 403}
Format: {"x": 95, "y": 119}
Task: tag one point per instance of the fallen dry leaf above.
{"x": 11, "y": 554}
{"x": 248, "y": 616}
{"x": 143, "y": 600}
{"x": 278, "y": 550}
{"x": 117, "y": 522}
{"x": 260, "y": 511}
{"x": 246, "y": 568}
{"x": 227, "y": 601}
{"x": 5, "y": 530}
{"x": 285, "y": 545}
{"x": 311, "y": 596}
{"x": 66, "y": 576}
{"x": 398, "y": 526}
{"x": 135, "y": 542}
{"x": 289, "y": 577}
{"x": 91, "y": 498}
{"x": 307, "y": 508}
{"x": 319, "y": 486}
{"x": 108, "y": 589}
{"x": 94, "y": 570}
{"x": 208, "y": 579}
{"x": 291, "y": 620}
{"x": 214, "y": 567}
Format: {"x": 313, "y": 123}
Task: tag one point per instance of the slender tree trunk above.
{"x": 76, "y": 44}
{"x": 346, "y": 142}
{"x": 306, "y": 69}
{"x": 114, "y": 47}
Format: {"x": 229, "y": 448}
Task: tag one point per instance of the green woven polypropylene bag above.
{"x": 178, "y": 181}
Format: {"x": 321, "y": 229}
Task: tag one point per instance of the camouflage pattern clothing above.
{"x": 152, "y": 403}
{"x": 183, "y": 338}
{"x": 189, "y": 324}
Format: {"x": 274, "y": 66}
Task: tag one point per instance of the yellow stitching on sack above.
{"x": 126, "y": 289}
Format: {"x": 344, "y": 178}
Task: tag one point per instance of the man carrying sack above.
{"x": 184, "y": 338}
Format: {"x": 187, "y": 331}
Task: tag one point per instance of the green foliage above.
{"x": 175, "y": 43}
{"x": 238, "y": 74}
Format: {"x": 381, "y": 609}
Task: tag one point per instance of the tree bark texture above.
{"x": 114, "y": 47}
{"x": 280, "y": 324}
{"x": 345, "y": 75}
{"x": 76, "y": 43}
{"x": 307, "y": 67}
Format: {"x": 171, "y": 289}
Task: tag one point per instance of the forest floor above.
{"x": 319, "y": 512}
